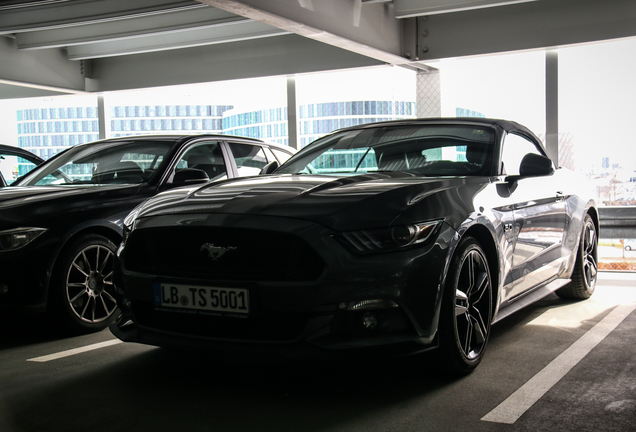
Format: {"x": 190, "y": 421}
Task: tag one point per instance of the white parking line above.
{"x": 74, "y": 351}
{"x": 520, "y": 401}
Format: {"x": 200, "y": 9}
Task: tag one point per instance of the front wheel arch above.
{"x": 55, "y": 305}
{"x": 487, "y": 243}
{"x": 467, "y": 308}
{"x": 104, "y": 231}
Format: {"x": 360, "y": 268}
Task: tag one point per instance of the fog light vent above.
{"x": 125, "y": 303}
{"x": 372, "y": 304}
{"x": 369, "y": 321}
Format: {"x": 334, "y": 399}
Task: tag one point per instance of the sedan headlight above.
{"x": 19, "y": 237}
{"x": 391, "y": 238}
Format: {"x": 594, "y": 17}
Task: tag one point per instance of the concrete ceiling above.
{"x": 54, "y": 47}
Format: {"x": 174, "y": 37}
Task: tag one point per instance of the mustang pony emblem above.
{"x": 216, "y": 252}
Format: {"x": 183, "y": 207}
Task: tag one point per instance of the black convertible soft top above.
{"x": 505, "y": 125}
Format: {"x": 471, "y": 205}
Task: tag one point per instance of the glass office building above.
{"x": 151, "y": 119}
{"x": 47, "y": 131}
{"x": 316, "y": 120}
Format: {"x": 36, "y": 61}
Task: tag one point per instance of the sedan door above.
{"x": 540, "y": 218}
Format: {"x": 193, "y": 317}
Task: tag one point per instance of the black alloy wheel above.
{"x": 586, "y": 266}
{"x": 84, "y": 284}
{"x": 466, "y": 312}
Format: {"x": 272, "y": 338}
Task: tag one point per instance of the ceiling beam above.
{"x": 125, "y": 28}
{"x": 34, "y": 73}
{"x": 413, "y": 8}
{"x": 49, "y": 15}
{"x": 178, "y": 39}
{"x": 366, "y": 29}
{"x": 525, "y": 26}
{"x": 281, "y": 55}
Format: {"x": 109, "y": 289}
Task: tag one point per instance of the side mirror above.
{"x": 533, "y": 165}
{"x": 189, "y": 176}
{"x": 269, "y": 168}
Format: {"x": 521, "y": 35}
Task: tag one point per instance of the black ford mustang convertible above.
{"x": 391, "y": 238}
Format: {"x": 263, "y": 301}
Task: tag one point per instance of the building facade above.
{"x": 47, "y": 131}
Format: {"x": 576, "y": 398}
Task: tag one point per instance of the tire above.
{"x": 466, "y": 312}
{"x": 83, "y": 292}
{"x": 628, "y": 248}
{"x": 586, "y": 265}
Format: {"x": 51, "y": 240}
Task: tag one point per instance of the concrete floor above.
{"x": 555, "y": 366}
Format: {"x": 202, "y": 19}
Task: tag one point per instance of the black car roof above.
{"x": 19, "y": 151}
{"x": 178, "y": 137}
{"x": 507, "y": 125}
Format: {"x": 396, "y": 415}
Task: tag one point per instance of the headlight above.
{"x": 19, "y": 237}
{"x": 385, "y": 239}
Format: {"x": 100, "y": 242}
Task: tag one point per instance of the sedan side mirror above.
{"x": 189, "y": 176}
{"x": 269, "y": 168}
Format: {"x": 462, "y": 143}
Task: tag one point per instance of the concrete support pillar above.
{"x": 292, "y": 118}
{"x": 428, "y": 93}
{"x": 102, "y": 118}
{"x": 552, "y": 105}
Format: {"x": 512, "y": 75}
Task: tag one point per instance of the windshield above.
{"x": 101, "y": 163}
{"x": 432, "y": 150}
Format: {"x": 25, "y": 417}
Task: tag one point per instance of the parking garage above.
{"x": 556, "y": 365}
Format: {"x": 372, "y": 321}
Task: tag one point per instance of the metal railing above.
{"x": 617, "y": 222}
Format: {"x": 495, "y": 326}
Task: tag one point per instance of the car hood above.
{"x": 339, "y": 203}
{"x": 21, "y": 204}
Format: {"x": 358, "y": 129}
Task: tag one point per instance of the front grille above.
{"x": 271, "y": 326}
{"x": 247, "y": 255}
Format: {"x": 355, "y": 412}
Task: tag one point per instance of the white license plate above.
{"x": 234, "y": 300}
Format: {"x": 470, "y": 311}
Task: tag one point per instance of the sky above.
{"x": 597, "y": 94}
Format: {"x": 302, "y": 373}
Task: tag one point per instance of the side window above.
{"x": 12, "y": 167}
{"x": 250, "y": 159}
{"x": 281, "y": 155}
{"x": 514, "y": 149}
{"x": 205, "y": 156}
{"x": 269, "y": 154}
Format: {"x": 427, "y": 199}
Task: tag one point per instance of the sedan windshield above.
{"x": 432, "y": 150}
{"x": 101, "y": 163}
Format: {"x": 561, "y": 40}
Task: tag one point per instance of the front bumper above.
{"x": 326, "y": 314}
{"x": 302, "y": 349}
{"x": 23, "y": 280}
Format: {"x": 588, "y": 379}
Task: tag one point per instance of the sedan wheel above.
{"x": 466, "y": 309}
{"x": 85, "y": 281}
{"x": 586, "y": 266}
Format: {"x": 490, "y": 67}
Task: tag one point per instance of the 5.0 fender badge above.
{"x": 215, "y": 252}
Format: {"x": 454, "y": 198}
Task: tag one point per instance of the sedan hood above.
{"x": 19, "y": 205}
{"x": 340, "y": 203}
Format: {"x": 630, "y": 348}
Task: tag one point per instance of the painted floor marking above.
{"x": 520, "y": 401}
{"x": 74, "y": 351}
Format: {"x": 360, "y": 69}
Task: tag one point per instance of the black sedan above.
{"x": 15, "y": 162}
{"x": 386, "y": 238}
{"x": 61, "y": 223}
